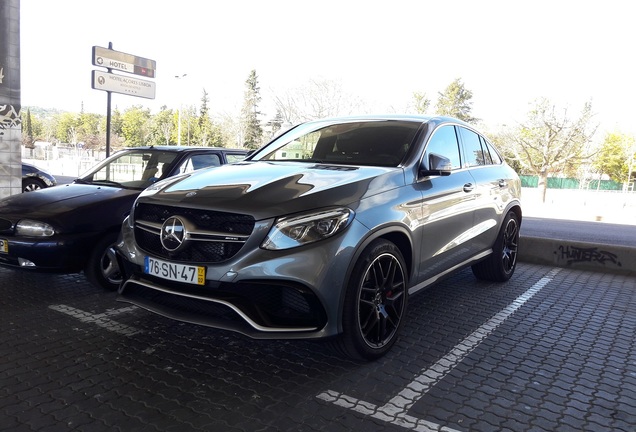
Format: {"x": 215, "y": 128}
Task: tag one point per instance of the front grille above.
{"x": 6, "y": 226}
{"x": 220, "y": 235}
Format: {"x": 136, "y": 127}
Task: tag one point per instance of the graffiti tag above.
{"x": 9, "y": 117}
{"x": 573, "y": 254}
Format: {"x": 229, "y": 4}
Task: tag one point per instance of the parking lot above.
{"x": 551, "y": 350}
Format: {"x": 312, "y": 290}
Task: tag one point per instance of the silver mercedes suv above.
{"x": 326, "y": 231}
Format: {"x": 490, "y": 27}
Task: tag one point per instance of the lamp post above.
{"x": 179, "y": 112}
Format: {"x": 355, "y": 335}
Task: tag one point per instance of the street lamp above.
{"x": 179, "y": 112}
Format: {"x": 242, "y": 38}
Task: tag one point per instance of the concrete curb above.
{"x": 578, "y": 255}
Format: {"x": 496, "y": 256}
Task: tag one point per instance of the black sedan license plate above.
{"x": 4, "y": 246}
{"x": 175, "y": 272}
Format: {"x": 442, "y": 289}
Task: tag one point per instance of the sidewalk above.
{"x": 583, "y": 205}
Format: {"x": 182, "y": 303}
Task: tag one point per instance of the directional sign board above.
{"x": 123, "y": 84}
{"x": 112, "y": 59}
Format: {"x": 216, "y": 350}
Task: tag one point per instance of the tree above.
{"x": 206, "y": 133}
{"x": 421, "y": 103}
{"x": 549, "y": 141}
{"x": 318, "y": 99}
{"x": 250, "y": 124}
{"x": 455, "y": 101}
{"x": 616, "y": 157}
{"x": 27, "y": 130}
{"x": 163, "y": 126}
{"x": 67, "y": 127}
{"x": 90, "y": 131}
{"x": 136, "y": 126}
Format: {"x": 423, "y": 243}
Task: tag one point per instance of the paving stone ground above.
{"x": 551, "y": 350}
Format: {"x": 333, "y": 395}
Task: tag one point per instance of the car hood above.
{"x": 77, "y": 206}
{"x": 270, "y": 189}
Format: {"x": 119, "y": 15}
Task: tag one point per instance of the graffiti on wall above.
{"x": 574, "y": 255}
{"x": 9, "y": 114}
{"x": 9, "y": 117}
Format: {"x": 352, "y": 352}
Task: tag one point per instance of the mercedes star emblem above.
{"x": 173, "y": 233}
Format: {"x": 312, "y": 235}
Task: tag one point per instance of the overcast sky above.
{"x": 508, "y": 53}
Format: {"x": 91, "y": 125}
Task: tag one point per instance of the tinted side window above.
{"x": 472, "y": 148}
{"x": 444, "y": 143}
{"x": 199, "y": 161}
{"x": 487, "y": 154}
{"x": 496, "y": 159}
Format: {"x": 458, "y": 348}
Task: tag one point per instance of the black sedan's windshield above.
{"x": 136, "y": 169}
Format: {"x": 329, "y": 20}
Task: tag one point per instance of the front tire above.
{"x": 501, "y": 264}
{"x": 375, "y": 302}
{"x": 32, "y": 184}
{"x": 102, "y": 269}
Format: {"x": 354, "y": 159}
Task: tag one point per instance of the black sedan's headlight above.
{"x": 33, "y": 228}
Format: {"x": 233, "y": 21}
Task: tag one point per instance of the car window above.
{"x": 472, "y": 148}
{"x": 495, "y": 159}
{"x": 444, "y": 143}
{"x": 199, "y": 161}
{"x": 132, "y": 169}
{"x": 486, "y": 151}
{"x": 234, "y": 157}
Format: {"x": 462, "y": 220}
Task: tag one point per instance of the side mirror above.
{"x": 438, "y": 165}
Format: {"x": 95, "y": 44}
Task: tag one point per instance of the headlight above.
{"x": 32, "y": 228}
{"x": 290, "y": 232}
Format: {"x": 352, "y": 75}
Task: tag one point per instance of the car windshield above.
{"x": 378, "y": 143}
{"x": 132, "y": 169}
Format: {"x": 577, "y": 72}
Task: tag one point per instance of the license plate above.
{"x": 4, "y": 246}
{"x": 175, "y": 272}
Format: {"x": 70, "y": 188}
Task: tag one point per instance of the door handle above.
{"x": 468, "y": 187}
{"x": 503, "y": 183}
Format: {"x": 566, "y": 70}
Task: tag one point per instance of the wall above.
{"x": 10, "y": 133}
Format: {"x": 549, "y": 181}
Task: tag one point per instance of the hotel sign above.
{"x": 120, "y": 83}
{"x": 129, "y": 63}
{"x": 131, "y": 86}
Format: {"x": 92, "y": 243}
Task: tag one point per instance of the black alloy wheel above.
{"x": 375, "y": 303}
{"x": 501, "y": 264}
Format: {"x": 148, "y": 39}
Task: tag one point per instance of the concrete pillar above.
{"x": 10, "y": 104}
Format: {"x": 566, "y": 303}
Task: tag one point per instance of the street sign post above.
{"x": 118, "y": 83}
{"x": 132, "y": 64}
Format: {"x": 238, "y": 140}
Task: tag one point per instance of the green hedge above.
{"x": 569, "y": 183}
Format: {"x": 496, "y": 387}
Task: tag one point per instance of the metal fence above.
{"x": 572, "y": 183}
{"x": 62, "y": 160}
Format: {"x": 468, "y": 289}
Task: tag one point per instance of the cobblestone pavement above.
{"x": 551, "y": 350}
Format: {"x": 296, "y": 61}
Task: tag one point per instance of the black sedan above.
{"x": 34, "y": 178}
{"x": 70, "y": 228}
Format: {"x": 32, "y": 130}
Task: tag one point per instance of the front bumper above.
{"x": 59, "y": 254}
{"x": 291, "y": 294}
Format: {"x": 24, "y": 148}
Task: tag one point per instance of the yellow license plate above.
{"x": 175, "y": 272}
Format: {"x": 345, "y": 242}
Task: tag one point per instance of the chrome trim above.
{"x": 196, "y": 235}
{"x": 428, "y": 282}
{"x": 216, "y": 236}
{"x": 222, "y": 302}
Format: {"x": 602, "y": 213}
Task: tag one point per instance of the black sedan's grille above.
{"x": 219, "y": 235}
{"x": 6, "y": 226}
